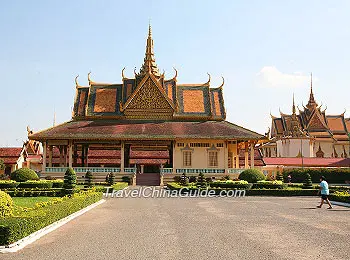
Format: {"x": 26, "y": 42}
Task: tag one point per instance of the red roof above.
{"x": 169, "y": 130}
{"x": 308, "y": 162}
{"x": 10, "y": 155}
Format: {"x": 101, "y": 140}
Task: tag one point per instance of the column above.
{"x": 122, "y": 165}
{"x": 226, "y": 157}
{"x": 82, "y": 155}
{"x": 237, "y": 156}
{"x": 70, "y": 154}
{"x": 246, "y": 154}
{"x": 252, "y": 153}
{"x": 173, "y": 154}
{"x": 50, "y": 155}
{"x": 61, "y": 155}
{"x": 44, "y": 157}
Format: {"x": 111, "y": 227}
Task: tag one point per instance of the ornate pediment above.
{"x": 316, "y": 122}
{"x": 149, "y": 101}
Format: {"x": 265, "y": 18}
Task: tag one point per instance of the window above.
{"x": 219, "y": 145}
{"x": 187, "y": 158}
{"x": 199, "y": 145}
{"x": 213, "y": 159}
{"x": 180, "y": 144}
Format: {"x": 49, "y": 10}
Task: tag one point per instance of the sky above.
{"x": 265, "y": 50}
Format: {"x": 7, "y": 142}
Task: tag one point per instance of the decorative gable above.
{"x": 148, "y": 101}
{"x": 316, "y": 122}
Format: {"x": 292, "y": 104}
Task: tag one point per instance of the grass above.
{"x": 29, "y": 201}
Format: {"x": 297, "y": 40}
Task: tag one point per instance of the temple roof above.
{"x": 307, "y": 161}
{"x": 313, "y": 121}
{"x": 133, "y": 130}
{"x": 149, "y": 95}
{"x": 10, "y": 155}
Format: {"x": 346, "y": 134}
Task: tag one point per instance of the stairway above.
{"x": 148, "y": 179}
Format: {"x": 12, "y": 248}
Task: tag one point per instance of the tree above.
{"x": 201, "y": 181}
{"x": 183, "y": 180}
{"x": 2, "y": 164}
{"x": 307, "y": 182}
{"x": 69, "y": 182}
{"x": 89, "y": 179}
{"x": 110, "y": 178}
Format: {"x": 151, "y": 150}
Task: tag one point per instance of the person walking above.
{"x": 324, "y": 190}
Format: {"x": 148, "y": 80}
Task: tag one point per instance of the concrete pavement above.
{"x": 199, "y": 228}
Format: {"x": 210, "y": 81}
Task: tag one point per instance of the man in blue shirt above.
{"x": 324, "y": 192}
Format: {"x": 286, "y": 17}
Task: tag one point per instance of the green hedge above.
{"x": 269, "y": 185}
{"x": 282, "y": 193}
{"x": 340, "y": 196}
{"x": 57, "y": 183}
{"x": 42, "y": 184}
{"x": 231, "y": 185}
{"x": 8, "y": 184}
{"x": 337, "y": 175}
{"x": 252, "y": 175}
{"x": 14, "y": 228}
{"x": 34, "y": 193}
{"x": 120, "y": 185}
{"x": 6, "y": 205}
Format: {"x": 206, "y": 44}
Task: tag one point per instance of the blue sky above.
{"x": 264, "y": 49}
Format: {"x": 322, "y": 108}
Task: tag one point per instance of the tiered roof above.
{"x": 10, "y": 155}
{"x": 311, "y": 121}
{"x": 148, "y": 106}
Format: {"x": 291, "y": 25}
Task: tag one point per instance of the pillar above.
{"x": 50, "y": 155}
{"x": 226, "y": 157}
{"x": 70, "y": 154}
{"x": 122, "y": 165}
{"x": 252, "y": 145}
{"x": 237, "y": 156}
{"x": 61, "y": 155}
{"x": 44, "y": 157}
{"x": 246, "y": 161}
{"x": 173, "y": 154}
{"x": 82, "y": 155}
{"x": 87, "y": 155}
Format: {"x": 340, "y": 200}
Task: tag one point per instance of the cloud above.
{"x": 271, "y": 77}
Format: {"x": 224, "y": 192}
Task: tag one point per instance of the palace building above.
{"x": 148, "y": 127}
{"x": 310, "y": 138}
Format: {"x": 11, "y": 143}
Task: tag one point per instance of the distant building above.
{"x": 309, "y": 134}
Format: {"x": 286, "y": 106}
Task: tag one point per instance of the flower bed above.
{"x": 29, "y": 220}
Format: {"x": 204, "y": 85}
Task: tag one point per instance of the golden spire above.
{"x": 312, "y": 103}
{"x": 293, "y": 108}
{"x": 149, "y": 63}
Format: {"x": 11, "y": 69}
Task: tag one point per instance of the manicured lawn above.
{"x": 29, "y": 201}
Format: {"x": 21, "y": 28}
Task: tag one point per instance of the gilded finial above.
{"x": 89, "y": 78}
{"x": 123, "y": 76}
{"x": 208, "y": 79}
{"x": 149, "y": 29}
{"x": 174, "y": 78}
{"x": 135, "y": 72}
{"x": 76, "y": 81}
{"x": 293, "y": 108}
{"x": 223, "y": 82}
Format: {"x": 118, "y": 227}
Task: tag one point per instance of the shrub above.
{"x": 4, "y": 177}
{"x": 6, "y": 205}
{"x": 126, "y": 179}
{"x": 231, "y": 185}
{"x": 252, "y": 175}
{"x": 34, "y": 193}
{"x": 192, "y": 179}
{"x": 269, "y": 185}
{"x": 57, "y": 183}
{"x": 279, "y": 176}
{"x": 89, "y": 179}
{"x": 50, "y": 178}
{"x": 111, "y": 179}
{"x": 2, "y": 164}
{"x": 120, "y": 185}
{"x": 340, "y": 196}
{"x": 281, "y": 193}
{"x": 14, "y": 228}
{"x": 42, "y": 184}
{"x": 177, "y": 179}
{"x": 336, "y": 175}
{"x": 201, "y": 182}
{"x": 24, "y": 174}
{"x": 70, "y": 181}
{"x": 8, "y": 184}
{"x": 209, "y": 179}
{"x": 225, "y": 178}
{"x": 307, "y": 182}
{"x": 183, "y": 180}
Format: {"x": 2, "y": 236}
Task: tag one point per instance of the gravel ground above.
{"x": 199, "y": 228}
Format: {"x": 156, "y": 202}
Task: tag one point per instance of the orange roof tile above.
{"x": 105, "y": 100}
{"x": 193, "y": 101}
{"x": 336, "y": 124}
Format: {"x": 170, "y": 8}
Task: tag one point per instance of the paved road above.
{"x": 199, "y": 228}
